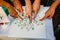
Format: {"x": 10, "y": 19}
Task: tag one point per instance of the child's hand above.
{"x": 36, "y": 7}
{"x": 49, "y": 14}
{"x": 18, "y": 6}
{"x": 29, "y": 9}
{"x": 11, "y": 10}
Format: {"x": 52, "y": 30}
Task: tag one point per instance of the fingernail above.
{"x": 1, "y": 23}
{"x": 41, "y": 20}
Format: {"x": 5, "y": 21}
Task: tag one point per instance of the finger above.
{"x": 10, "y": 8}
{"x": 20, "y": 17}
{"x": 30, "y": 19}
{"x": 35, "y": 14}
{"x": 46, "y": 15}
{"x": 43, "y": 18}
{"x": 21, "y": 11}
{"x": 50, "y": 16}
{"x": 26, "y": 15}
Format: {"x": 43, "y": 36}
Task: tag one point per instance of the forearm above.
{"x": 37, "y": 1}
{"x": 5, "y": 4}
{"x": 8, "y": 6}
{"x": 55, "y": 4}
{"x": 27, "y": 2}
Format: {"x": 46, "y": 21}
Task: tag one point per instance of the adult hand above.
{"x": 28, "y": 9}
{"x": 51, "y": 10}
{"x": 49, "y": 14}
{"x": 10, "y": 8}
{"x": 36, "y": 7}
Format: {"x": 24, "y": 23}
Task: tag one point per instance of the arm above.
{"x": 50, "y": 12}
{"x": 18, "y": 5}
{"x": 36, "y": 7}
{"x": 28, "y": 9}
{"x": 10, "y": 8}
{"x": 55, "y": 4}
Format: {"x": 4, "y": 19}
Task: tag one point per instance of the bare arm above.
{"x": 36, "y": 7}
{"x": 50, "y": 12}
{"x": 28, "y": 9}
{"x": 10, "y": 8}
{"x": 55, "y": 4}
{"x": 18, "y": 5}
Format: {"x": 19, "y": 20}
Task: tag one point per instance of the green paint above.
{"x": 15, "y": 22}
{"x": 32, "y": 28}
{"x": 21, "y": 22}
{"x": 36, "y": 21}
{"x": 5, "y": 10}
{"x": 21, "y": 27}
{"x": 41, "y": 23}
{"x": 16, "y": 18}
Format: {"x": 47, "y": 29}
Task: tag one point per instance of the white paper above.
{"x": 3, "y": 16}
{"x": 39, "y": 30}
{"x": 3, "y": 19}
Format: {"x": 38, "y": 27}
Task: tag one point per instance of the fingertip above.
{"x": 26, "y": 15}
{"x": 30, "y": 19}
{"x": 50, "y": 17}
{"x": 22, "y": 13}
{"x": 34, "y": 18}
{"x": 42, "y": 19}
{"x": 20, "y": 17}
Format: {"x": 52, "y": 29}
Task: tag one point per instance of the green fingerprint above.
{"x": 21, "y": 27}
{"x": 33, "y": 28}
{"x": 41, "y": 23}
{"x": 15, "y": 23}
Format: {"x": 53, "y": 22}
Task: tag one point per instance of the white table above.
{"x": 49, "y": 30}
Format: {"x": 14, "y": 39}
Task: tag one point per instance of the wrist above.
{"x": 57, "y": 1}
{"x": 27, "y": 2}
{"x": 37, "y": 1}
{"x": 55, "y": 4}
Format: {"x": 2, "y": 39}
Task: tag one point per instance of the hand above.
{"x": 18, "y": 6}
{"x": 10, "y": 8}
{"x": 36, "y": 7}
{"x": 51, "y": 10}
{"x": 49, "y": 14}
{"x": 29, "y": 10}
